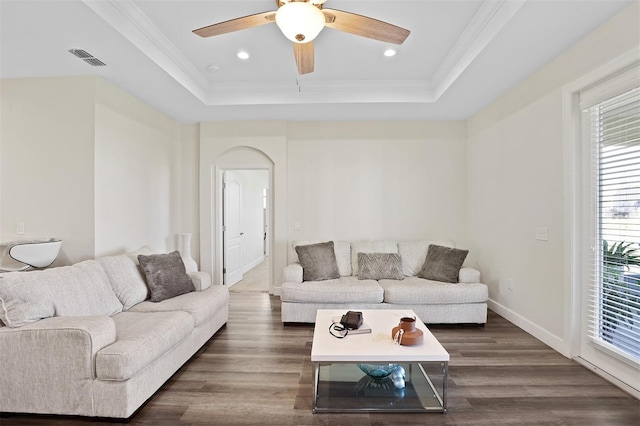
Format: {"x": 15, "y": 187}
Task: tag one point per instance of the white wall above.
{"x": 515, "y": 186}
{"x": 46, "y": 166}
{"x": 137, "y": 162}
{"x": 516, "y": 182}
{"x": 86, "y": 162}
{"x": 189, "y": 186}
{"x": 377, "y": 180}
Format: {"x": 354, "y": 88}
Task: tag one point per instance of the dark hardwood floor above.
{"x": 256, "y": 371}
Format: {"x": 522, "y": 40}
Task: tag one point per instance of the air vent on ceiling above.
{"x": 87, "y": 57}
{"x": 80, "y": 53}
{"x": 94, "y": 62}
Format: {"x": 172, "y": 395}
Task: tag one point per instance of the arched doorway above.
{"x": 242, "y": 182}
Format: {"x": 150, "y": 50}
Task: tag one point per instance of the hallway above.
{"x": 256, "y": 280}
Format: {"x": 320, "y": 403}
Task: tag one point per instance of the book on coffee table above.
{"x": 363, "y": 329}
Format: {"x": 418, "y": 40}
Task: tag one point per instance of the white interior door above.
{"x": 232, "y": 257}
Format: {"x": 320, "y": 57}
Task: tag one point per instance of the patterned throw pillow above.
{"x": 443, "y": 264}
{"x": 380, "y": 266}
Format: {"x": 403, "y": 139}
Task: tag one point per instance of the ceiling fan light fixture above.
{"x": 300, "y": 22}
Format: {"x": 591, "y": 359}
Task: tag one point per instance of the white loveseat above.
{"x": 86, "y": 340}
{"x": 433, "y": 301}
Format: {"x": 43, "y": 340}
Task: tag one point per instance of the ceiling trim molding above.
{"x": 126, "y": 18}
{"x": 341, "y": 91}
{"x": 484, "y": 26}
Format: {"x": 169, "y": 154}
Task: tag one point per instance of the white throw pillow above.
{"x": 126, "y": 279}
{"x": 79, "y": 290}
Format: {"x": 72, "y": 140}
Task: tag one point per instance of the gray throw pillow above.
{"x": 443, "y": 264}
{"x": 165, "y": 275}
{"x": 318, "y": 261}
{"x": 379, "y": 266}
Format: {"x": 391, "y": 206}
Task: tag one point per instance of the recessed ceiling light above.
{"x": 243, "y": 55}
{"x": 389, "y": 52}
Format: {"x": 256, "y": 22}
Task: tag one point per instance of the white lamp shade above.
{"x": 300, "y": 22}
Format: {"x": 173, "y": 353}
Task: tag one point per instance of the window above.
{"x": 614, "y": 281}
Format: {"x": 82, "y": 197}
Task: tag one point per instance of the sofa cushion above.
{"x": 145, "y": 250}
{"x": 126, "y": 279}
{"x": 370, "y": 247}
{"x": 201, "y": 280}
{"x": 141, "y": 339}
{"x": 79, "y": 290}
{"x": 201, "y": 305}
{"x": 318, "y": 261}
{"x": 166, "y": 275}
{"x": 469, "y": 275}
{"x": 415, "y": 252}
{"x": 377, "y": 266}
{"x": 340, "y": 290}
{"x": 443, "y": 263}
{"x": 414, "y": 290}
{"x": 292, "y": 273}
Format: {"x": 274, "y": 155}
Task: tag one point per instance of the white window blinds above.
{"x": 614, "y": 284}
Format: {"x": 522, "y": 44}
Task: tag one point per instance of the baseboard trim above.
{"x": 252, "y": 265}
{"x": 550, "y": 339}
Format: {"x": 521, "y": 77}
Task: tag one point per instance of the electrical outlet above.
{"x": 20, "y": 228}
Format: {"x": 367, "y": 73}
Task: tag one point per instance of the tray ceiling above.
{"x": 459, "y": 57}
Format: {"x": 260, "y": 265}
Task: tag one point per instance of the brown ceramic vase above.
{"x": 411, "y": 336}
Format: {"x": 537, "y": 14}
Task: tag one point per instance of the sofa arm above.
{"x": 469, "y": 275}
{"x": 292, "y": 273}
{"x": 201, "y": 280}
{"x": 49, "y": 365}
{"x": 45, "y": 341}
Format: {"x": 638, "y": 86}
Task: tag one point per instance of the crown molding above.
{"x": 336, "y": 91}
{"x": 484, "y": 26}
{"x": 126, "y": 18}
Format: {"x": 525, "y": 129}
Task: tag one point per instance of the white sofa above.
{"x": 433, "y": 301}
{"x": 85, "y": 340}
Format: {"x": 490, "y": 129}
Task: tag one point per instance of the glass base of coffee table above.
{"x": 343, "y": 387}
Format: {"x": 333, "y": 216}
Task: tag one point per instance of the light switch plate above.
{"x": 542, "y": 234}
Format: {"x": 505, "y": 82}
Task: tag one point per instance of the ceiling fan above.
{"x": 302, "y": 20}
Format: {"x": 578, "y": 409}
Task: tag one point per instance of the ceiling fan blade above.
{"x": 304, "y": 57}
{"x": 237, "y": 24}
{"x": 364, "y": 26}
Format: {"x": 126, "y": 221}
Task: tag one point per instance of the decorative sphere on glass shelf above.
{"x": 378, "y": 371}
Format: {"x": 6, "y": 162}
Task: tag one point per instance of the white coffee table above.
{"x": 340, "y": 386}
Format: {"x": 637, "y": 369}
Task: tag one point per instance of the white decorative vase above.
{"x": 185, "y": 253}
